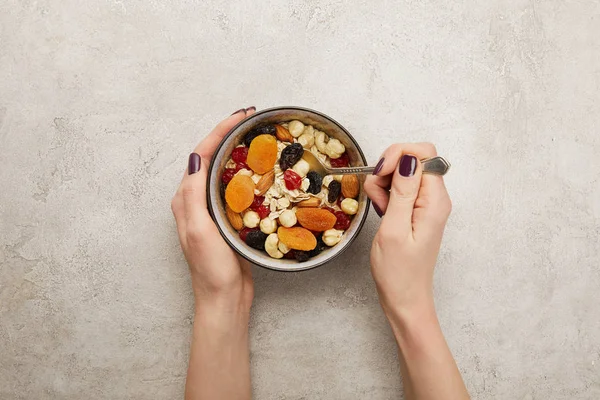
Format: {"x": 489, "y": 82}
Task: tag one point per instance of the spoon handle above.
{"x": 435, "y": 166}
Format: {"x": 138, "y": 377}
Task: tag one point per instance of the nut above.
{"x": 301, "y": 168}
{"x": 268, "y": 225}
{"x": 321, "y": 140}
{"x": 271, "y": 246}
{"x": 305, "y": 184}
{"x": 234, "y": 218}
{"x": 283, "y": 203}
{"x": 251, "y": 219}
{"x": 307, "y": 139}
{"x": 283, "y": 248}
{"x": 350, "y": 186}
{"x": 327, "y": 180}
{"x": 349, "y": 206}
{"x": 288, "y": 218}
{"x": 296, "y": 128}
{"x": 338, "y": 178}
{"x": 245, "y": 172}
{"x": 283, "y": 134}
{"x": 265, "y": 183}
{"x": 334, "y": 148}
{"x": 331, "y": 237}
{"x": 312, "y": 202}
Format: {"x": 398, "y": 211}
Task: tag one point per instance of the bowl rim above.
{"x": 212, "y": 212}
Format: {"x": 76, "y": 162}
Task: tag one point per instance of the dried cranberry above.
{"x": 228, "y": 175}
{"x": 244, "y": 232}
{"x": 341, "y": 162}
{"x": 292, "y": 180}
{"x": 241, "y": 165}
{"x": 263, "y": 211}
{"x": 239, "y": 154}
{"x": 343, "y": 221}
{"x": 257, "y": 202}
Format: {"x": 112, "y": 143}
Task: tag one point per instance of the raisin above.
{"x": 341, "y": 162}
{"x": 290, "y": 156}
{"x": 289, "y": 255}
{"x": 256, "y": 239}
{"x": 261, "y": 130}
{"x": 301, "y": 256}
{"x": 334, "y": 191}
{"x": 315, "y": 182}
{"x": 244, "y": 232}
{"x": 228, "y": 175}
{"x": 292, "y": 180}
{"x": 239, "y": 154}
{"x": 343, "y": 221}
{"x": 320, "y": 247}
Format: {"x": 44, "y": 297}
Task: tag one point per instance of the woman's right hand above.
{"x": 414, "y": 209}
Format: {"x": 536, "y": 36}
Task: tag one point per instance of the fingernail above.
{"x": 240, "y": 110}
{"x": 379, "y": 166}
{"x": 193, "y": 164}
{"x": 251, "y": 108}
{"x": 408, "y": 165}
{"x": 377, "y": 210}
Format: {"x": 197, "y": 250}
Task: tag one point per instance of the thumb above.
{"x": 403, "y": 194}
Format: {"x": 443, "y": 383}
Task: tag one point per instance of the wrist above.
{"x": 410, "y": 321}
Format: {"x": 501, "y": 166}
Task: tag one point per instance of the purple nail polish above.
{"x": 379, "y": 166}
{"x": 193, "y": 164}
{"x": 377, "y": 210}
{"x": 408, "y": 165}
{"x": 251, "y": 108}
{"x": 240, "y": 110}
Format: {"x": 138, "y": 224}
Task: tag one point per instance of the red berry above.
{"x": 239, "y": 154}
{"x": 228, "y": 175}
{"x": 343, "y": 221}
{"x": 244, "y": 232}
{"x": 292, "y": 180}
{"x": 341, "y": 162}
{"x": 257, "y": 202}
{"x": 241, "y": 165}
{"x": 263, "y": 211}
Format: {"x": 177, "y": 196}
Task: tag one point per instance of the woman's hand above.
{"x": 219, "y": 277}
{"x": 414, "y": 209}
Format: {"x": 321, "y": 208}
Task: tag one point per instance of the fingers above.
{"x": 193, "y": 193}
{"x": 207, "y": 147}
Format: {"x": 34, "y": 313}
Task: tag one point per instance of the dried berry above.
{"x": 257, "y": 202}
{"x": 263, "y": 211}
{"x": 341, "y": 162}
{"x": 335, "y": 189}
{"x": 343, "y": 221}
{"x": 239, "y": 154}
{"x": 290, "y": 156}
{"x": 320, "y": 247}
{"x": 301, "y": 256}
{"x": 331, "y": 210}
{"x": 228, "y": 175}
{"x": 244, "y": 232}
{"x": 292, "y": 180}
{"x": 241, "y": 165}
{"x": 289, "y": 255}
{"x": 256, "y": 239}
{"x": 315, "y": 182}
{"x": 261, "y": 130}
{"x": 262, "y": 154}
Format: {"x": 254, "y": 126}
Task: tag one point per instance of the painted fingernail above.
{"x": 379, "y": 166}
{"x": 408, "y": 165}
{"x": 377, "y": 210}
{"x": 251, "y": 108}
{"x": 240, "y": 110}
{"x": 193, "y": 164}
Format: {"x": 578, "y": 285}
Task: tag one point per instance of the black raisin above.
{"x": 320, "y": 247}
{"x": 256, "y": 240}
{"x": 315, "y": 182}
{"x": 290, "y": 156}
{"x": 301, "y": 256}
{"x": 334, "y": 191}
{"x": 260, "y": 130}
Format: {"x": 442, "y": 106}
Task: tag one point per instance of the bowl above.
{"x": 216, "y": 201}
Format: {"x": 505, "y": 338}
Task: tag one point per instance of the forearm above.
{"x": 219, "y": 366}
{"x": 428, "y": 368}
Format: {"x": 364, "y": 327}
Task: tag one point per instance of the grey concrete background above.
{"x": 101, "y": 102}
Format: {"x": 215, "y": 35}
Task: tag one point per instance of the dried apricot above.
{"x": 262, "y": 154}
{"x": 239, "y": 194}
{"x": 297, "y": 238}
{"x": 315, "y": 219}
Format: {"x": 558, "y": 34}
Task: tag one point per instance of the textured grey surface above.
{"x": 101, "y": 102}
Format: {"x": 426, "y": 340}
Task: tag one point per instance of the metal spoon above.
{"x": 434, "y": 165}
